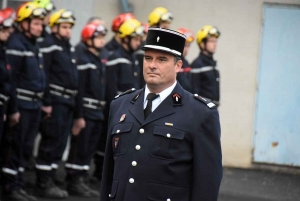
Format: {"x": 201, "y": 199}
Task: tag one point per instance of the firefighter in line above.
{"x": 91, "y": 104}
{"x": 122, "y": 66}
{"x": 204, "y": 73}
{"x": 28, "y": 83}
{"x": 62, "y": 86}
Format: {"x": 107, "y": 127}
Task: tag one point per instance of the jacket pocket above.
{"x": 166, "y": 142}
{"x": 167, "y": 192}
{"x": 114, "y": 188}
{"x": 120, "y": 137}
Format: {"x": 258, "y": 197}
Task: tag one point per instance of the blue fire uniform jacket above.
{"x": 61, "y": 71}
{"x": 27, "y": 68}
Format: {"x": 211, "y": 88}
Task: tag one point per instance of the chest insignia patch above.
{"x": 122, "y": 118}
{"x": 176, "y": 99}
{"x": 168, "y": 124}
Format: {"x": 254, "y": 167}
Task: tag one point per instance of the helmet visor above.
{"x": 167, "y": 17}
{"x": 39, "y": 12}
{"x": 67, "y": 14}
{"x": 214, "y": 32}
{"x": 139, "y": 31}
{"x": 100, "y": 30}
{"x": 49, "y": 7}
{"x": 8, "y": 23}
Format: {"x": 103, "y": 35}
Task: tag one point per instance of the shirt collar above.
{"x": 162, "y": 95}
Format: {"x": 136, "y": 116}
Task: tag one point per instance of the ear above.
{"x": 89, "y": 42}
{"x": 25, "y": 25}
{"x": 178, "y": 65}
{"x": 202, "y": 45}
{"x": 54, "y": 29}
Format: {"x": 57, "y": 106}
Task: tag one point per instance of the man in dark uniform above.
{"x": 62, "y": 86}
{"x": 115, "y": 42}
{"x": 28, "y": 84}
{"x": 122, "y": 66}
{"x": 204, "y": 73}
{"x": 153, "y": 151}
{"x": 184, "y": 75}
{"x": 91, "y": 104}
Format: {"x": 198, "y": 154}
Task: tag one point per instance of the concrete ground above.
{"x": 237, "y": 185}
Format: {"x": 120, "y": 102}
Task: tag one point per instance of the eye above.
{"x": 147, "y": 58}
{"x": 162, "y": 59}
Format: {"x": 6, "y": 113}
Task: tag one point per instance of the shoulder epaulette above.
{"x": 208, "y": 103}
{"x": 125, "y": 92}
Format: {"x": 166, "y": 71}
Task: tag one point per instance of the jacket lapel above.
{"x": 137, "y": 108}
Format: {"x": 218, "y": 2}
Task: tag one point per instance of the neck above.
{"x": 118, "y": 39}
{"x": 207, "y": 53}
{"x": 125, "y": 46}
{"x": 158, "y": 88}
{"x": 92, "y": 50}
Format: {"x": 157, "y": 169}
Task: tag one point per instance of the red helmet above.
{"x": 9, "y": 12}
{"x": 188, "y": 33}
{"x": 146, "y": 27}
{"x": 91, "y": 30}
{"x": 118, "y": 21}
{"x": 6, "y": 21}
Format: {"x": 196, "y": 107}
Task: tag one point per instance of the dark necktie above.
{"x": 150, "y": 98}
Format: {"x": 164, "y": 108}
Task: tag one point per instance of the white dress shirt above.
{"x": 162, "y": 96}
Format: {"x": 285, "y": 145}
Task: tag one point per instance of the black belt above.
{"x": 28, "y": 95}
{"x": 61, "y": 91}
{"x": 94, "y": 103}
{"x": 3, "y": 99}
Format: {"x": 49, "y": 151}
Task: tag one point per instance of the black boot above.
{"x": 13, "y": 196}
{"x": 24, "y": 194}
{"x": 47, "y": 189}
{"x": 77, "y": 187}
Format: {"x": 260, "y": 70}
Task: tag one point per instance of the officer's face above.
{"x": 99, "y": 41}
{"x": 186, "y": 48}
{"x": 135, "y": 42}
{"x": 4, "y": 34}
{"x": 36, "y": 27}
{"x": 160, "y": 70}
{"x": 65, "y": 30}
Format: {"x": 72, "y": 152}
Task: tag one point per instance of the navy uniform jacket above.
{"x": 206, "y": 77}
{"x": 112, "y": 45}
{"x": 122, "y": 72}
{"x": 5, "y": 78}
{"x": 91, "y": 93}
{"x": 27, "y": 67}
{"x": 184, "y": 76}
{"x": 81, "y": 47}
{"x": 175, "y": 154}
{"x": 61, "y": 71}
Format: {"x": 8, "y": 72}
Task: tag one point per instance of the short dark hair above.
{"x": 93, "y": 18}
{"x": 176, "y": 59}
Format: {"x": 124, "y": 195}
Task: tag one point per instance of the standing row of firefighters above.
{"x": 52, "y": 88}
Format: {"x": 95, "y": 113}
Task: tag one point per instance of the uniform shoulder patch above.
{"x": 208, "y": 103}
{"x": 125, "y": 92}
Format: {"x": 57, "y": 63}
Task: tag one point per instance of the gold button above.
{"x": 134, "y": 163}
{"x": 131, "y": 180}
{"x": 142, "y": 131}
{"x": 137, "y": 147}
{"x": 168, "y": 135}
